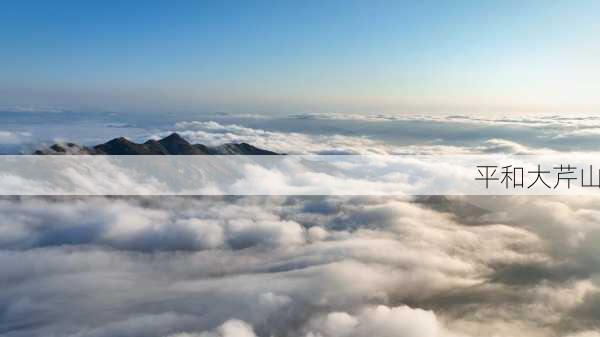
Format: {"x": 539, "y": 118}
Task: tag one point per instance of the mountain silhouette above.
{"x": 173, "y": 144}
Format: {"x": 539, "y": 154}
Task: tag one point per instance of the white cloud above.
{"x": 585, "y": 334}
{"x": 11, "y": 137}
{"x": 381, "y": 321}
{"x": 326, "y": 266}
{"x": 213, "y": 133}
{"x": 231, "y": 328}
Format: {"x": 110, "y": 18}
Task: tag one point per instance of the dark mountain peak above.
{"x": 175, "y": 144}
{"x": 65, "y": 148}
{"x": 172, "y": 144}
{"x": 123, "y": 146}
{"x": 174, "y": 138}
{"x": 242, "y": 149}
{"x": 151, "y": 142}
{"x": 119, "y": 140}
{"x": 59, "y": 147}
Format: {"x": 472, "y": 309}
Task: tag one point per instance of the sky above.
{"x": 283, "y": 57}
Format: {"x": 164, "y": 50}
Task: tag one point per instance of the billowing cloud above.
{"x": 231, "y": 328}
{"x": 380, "y": 321}
{"x": 132, "y": 226}
{"x": 352, "y": 142}
{"x": 298, "y": 266}
{"x": 214, "y": 133}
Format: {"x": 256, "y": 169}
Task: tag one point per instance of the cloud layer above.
{"x": 316, "y": 133}
{"x": 312, "y": 266}
{"x": 214, "y": 133}
{"x": 299, "y": 266}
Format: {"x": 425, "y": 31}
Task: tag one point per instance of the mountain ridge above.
{"x": 172, "y": 144}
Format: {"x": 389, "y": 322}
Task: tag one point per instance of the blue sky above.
{"x": 301, "y": 56}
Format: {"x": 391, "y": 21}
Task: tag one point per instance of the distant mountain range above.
{"x": 173, "y": 144}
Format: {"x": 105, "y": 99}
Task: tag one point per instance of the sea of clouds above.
{"x": 299, "y": 266}
{"x": 312, "y": 266}
{"x": 22, "y": 132}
